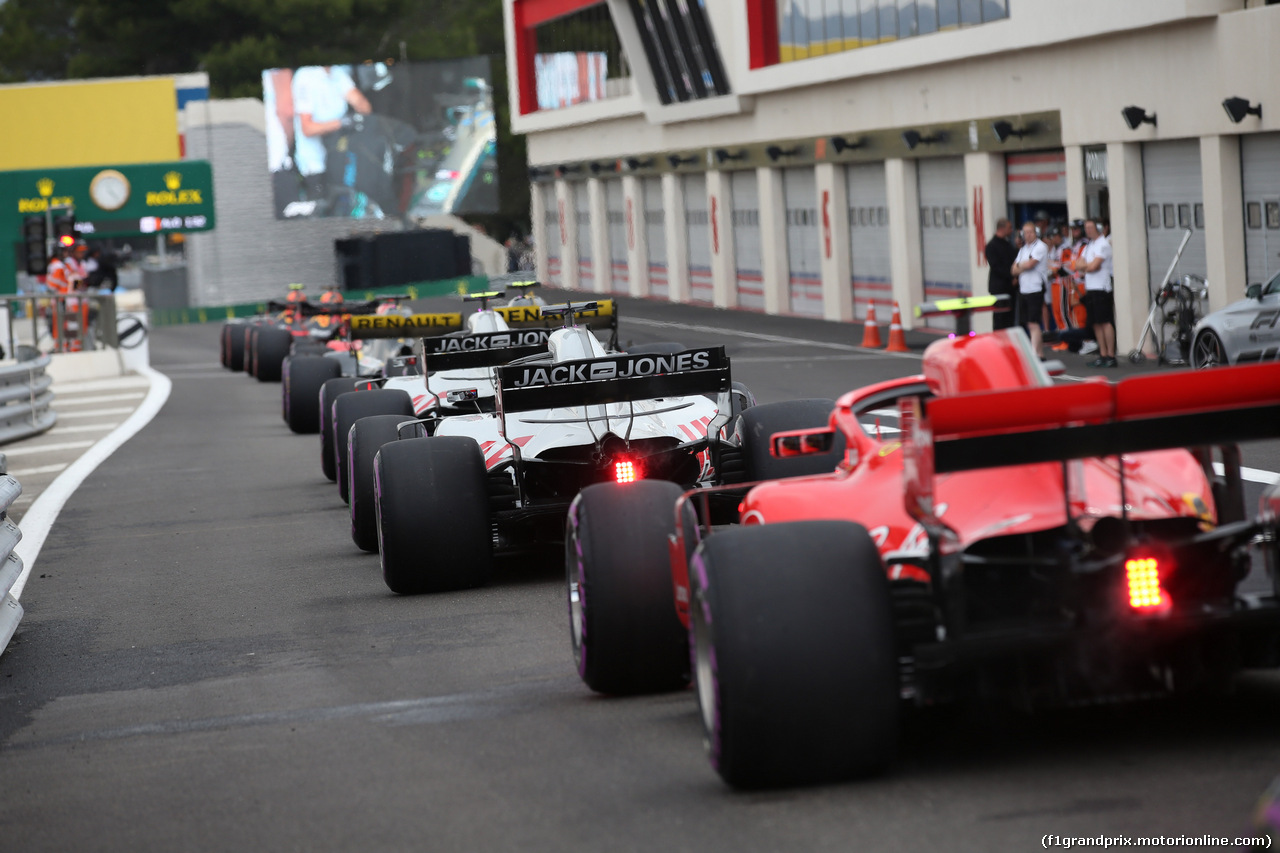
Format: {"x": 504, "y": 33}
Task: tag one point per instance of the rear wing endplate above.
{"x": 616, "y": 379}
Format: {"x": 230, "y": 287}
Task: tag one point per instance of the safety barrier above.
{"x": 10, "y": 563}
{"x": 60, "y": 323}
{"x": 26, "y": 398}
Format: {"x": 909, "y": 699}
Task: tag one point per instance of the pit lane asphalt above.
{"x": 210, "y": 664}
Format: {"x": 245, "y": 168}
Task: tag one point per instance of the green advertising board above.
{"x": 108, "y": 201}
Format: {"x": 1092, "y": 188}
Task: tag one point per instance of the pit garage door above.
{"x": 746, "y": 239}
{"x": 656, "y": 234}
{"x": 698, "y": 240}
{"x": 619, "y": 279}
{"x": 1260, "y": 160}
{"x": 804, "y": 264}
{"x": 1175, "y": 203}
{"x": 944, "y": 233}
{"x": 554, "y": 228}
{"x": 582, "y": 206}
{"x": 869, "y": 240}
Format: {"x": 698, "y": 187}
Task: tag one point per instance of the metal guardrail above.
{"x": 10, "y": 562}
{"x": 26, "y": 399}
{"x": 63, "y": 323}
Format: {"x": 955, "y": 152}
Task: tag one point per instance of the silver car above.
{"x": 1243, "y": 332}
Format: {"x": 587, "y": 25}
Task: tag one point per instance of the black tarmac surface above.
{"x": 208, "y": 663}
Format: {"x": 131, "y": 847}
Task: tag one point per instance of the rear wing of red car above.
{"x": 1090, "y": 419}
{"x": 614, "y": 379}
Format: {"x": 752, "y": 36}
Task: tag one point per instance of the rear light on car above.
{"x": 626, "y": 471}
{"x": 1142, "y": 577}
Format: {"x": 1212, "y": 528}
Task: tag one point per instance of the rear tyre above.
{"x": 329, "y": 392}
{"x": 303, "y": 378}
{"x": 350, "y": 408}
{"x": 271, "y": 348}
{"x": 251, "y": 350}
{"x": 434, "y": 530}
{"x": 794, "y": 654}
{"x": 366, "y": 437}
{"x": 626, "y": 636}
{"x": 758, "y": 424}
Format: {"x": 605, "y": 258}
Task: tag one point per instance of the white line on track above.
{"x": 47, "y": 448}
{"x": 65, "y": 400}
{"x": 88, "y": 386}
{"x": 19, "y": 473}
{"x": 757, "y": 336}
{"x": 1253, "y": 475}
{"x": 39, "y": 519}
{"x": 86, "y": 428}
{"x": 92, "y": 413}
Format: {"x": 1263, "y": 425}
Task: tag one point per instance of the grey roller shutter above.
{"x": 1037, "y": 176}
{"x": 746, "y": 239}
{"x": 555, "y": 242}
{"x": 1172, "y": 193}
{"x": 619, "y": 278}
{"x": 656, "y": 235}
{"x": 869, "y": 239}
{"x": 944, "y": 233}
{"x": 1260, "y": 162}
{"x": 698, "y": 239}
{"x": 804, "y": 261}
{"x": 582, "y": 206}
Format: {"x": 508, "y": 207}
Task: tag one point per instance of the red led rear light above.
{"x": 625, "y": 471}
{"x": 1142, "y": 576}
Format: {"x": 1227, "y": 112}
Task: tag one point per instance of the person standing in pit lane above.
{"x": 1000, "y": 255}
{"x": 1032, "y": 269}
{"x": 1095, "y": 263}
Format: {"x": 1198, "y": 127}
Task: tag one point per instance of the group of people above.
{"x": 1060, "y": 283}
{"x": 76, "y": 267}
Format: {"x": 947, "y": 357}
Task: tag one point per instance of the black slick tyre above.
{"x": 432, "y": 500}
{"x": 794, "y": 655}
{"x": 625, "y": 633}
{"x": 232, "y": 348}
{"x": 304, "y": 375}
{"x": 757, "y": 425}
{"x": 329, "y": 392}
{"x": 366, "y": 437}
{"x": 348, "y": 409}
{"x": 251, "y": 350}
{"x": 271, "y": 348}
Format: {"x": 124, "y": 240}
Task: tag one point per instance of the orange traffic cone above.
{"x": 897, "y": 343}
{"x": 871, "y": 332}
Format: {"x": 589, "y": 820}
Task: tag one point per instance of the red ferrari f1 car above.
{"x": 1016, "y": 539}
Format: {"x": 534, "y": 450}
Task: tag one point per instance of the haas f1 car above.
{"x": 565, "y": 419}
{"x": 1046, "y": 544}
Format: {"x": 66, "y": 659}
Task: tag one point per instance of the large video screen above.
{"x": 381, "y": 140}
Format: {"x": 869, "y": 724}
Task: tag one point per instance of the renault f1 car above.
{"x": 1243, "y": 332}
{"x": 576, "y": 415}
{"x": 1042, "y": 544}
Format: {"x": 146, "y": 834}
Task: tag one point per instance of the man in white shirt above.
{"x": 1032, "y": 270}
{"x": 1095, "y": 263}
{"x": 322, "y": 95}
